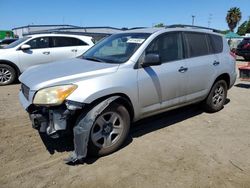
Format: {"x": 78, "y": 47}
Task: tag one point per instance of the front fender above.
{"x": 93, "y": 89}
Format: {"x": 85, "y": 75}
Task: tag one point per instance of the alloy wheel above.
{"x": 107, "y": 129}
{"x": 5, "y": 75}
{"x": 218, "y": 96}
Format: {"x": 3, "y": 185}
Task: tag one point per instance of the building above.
{"x": 96, "y": 32}
{"x": 24, "y": 30}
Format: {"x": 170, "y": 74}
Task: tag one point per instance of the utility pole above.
{"x": 193, "y": 16}
{"x": 209, "y": 20}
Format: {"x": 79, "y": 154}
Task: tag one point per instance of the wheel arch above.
{"x": 123, "y": 100}
{"x": 225, "y": 77}
{"x": 6, "y": 62}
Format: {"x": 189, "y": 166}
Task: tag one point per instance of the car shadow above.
{"x": 138, "y": 129}
{"x": 245, "y": 85}
{"x": 164, "y": 120}
{"x": 58, "y": 144}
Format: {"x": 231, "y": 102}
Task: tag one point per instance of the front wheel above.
{"x": 109, "y": 130}
{"x": 217, "y": 97}
{"x": 7, "y": 74}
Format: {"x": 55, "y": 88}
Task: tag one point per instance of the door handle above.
{"x": 46, "y": 53}
{"x": 215, "y": 63}
{"x": 183, "y": 69}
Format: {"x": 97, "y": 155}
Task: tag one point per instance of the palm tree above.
{"x": 233, "y": 17}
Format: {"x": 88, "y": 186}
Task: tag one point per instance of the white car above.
{"x": 39, "y": 49}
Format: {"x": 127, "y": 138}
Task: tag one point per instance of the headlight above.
{"x": 53, "y": 95}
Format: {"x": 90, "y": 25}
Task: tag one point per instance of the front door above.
{"x": 163, "y": 86}
{"x": 39, "y": 53}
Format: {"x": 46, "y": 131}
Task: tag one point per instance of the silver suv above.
{"x": 148, "y": 71}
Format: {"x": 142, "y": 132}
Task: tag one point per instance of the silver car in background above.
{"x": 151, "y": 70}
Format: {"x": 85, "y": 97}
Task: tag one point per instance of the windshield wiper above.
{"x": 93, "y": 59}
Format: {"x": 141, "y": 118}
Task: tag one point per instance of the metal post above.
{"x": 193, "y": 19}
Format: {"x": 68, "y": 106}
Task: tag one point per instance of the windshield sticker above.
{"x": 134, "y": 40}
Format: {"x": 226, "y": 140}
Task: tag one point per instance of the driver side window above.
{"x": 168, "y": 46}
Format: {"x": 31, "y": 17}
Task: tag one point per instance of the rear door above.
{"x": 201, "y": 64}
{"x": 39, "y": 53}
{"x": 63, "y": 48}
{"x": 81, "y": 46}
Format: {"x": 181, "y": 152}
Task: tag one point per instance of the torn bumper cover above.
{"x": 83, "y": 128}
{"x": 54, "y": 120}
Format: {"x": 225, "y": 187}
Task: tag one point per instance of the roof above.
{"x": 144, "y": 30}
{"x": 156, "y": 29}
{"x": 232, "y": 35}
{"x": 63, "y": 25}
{"x": 53, "y": 34}
{"x": 99, "y": 27}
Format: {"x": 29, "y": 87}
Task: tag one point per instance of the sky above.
{"x": 114, "y": 13}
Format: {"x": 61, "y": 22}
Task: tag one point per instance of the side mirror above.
{"x": 25, "y": 47}
{"x": 151, "y": 60}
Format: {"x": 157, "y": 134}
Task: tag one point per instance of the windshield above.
{"x": 17, "y": 42}
{"x": 117, "y": 48}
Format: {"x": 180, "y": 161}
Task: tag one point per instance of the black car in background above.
{"x": 243, "y": 49}
{"x": 6, "y": 42}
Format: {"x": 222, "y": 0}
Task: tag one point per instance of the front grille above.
{"x": 25, "y": 90}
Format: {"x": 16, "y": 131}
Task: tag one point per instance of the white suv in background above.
{"x": 39, "y": 49}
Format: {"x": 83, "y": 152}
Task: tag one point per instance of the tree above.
{"x": 159, "y": 25}
{"x": 242, "y": 28}
{"x": 233, "y": 17}
{"x": 248, "y": 26}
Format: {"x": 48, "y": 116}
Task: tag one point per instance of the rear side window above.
{"x": 196, "y": 44}
{"x": 216, "y": 44}
{"x": 66, "y": 42}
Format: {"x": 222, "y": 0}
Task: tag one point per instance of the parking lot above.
{"x": 181, "y": 148}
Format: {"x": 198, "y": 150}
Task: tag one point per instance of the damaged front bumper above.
{"x": 53, "y": 120}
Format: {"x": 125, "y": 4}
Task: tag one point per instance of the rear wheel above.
{"x": 7, "y": 74}
{"x": 217, "y": 97}
{"x": 109, "y": 130}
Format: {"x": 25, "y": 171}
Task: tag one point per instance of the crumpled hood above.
{"x": 64, "y": 72}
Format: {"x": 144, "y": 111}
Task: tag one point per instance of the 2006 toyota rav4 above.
{"x": 151, "y": 70}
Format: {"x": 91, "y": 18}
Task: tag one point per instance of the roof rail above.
{"x": 193, "y": 26}
{"x": 132, "y": 28}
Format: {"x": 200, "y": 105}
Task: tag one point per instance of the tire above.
{"x": 104, "y": 128}
{"x": 7, "y": 74}
{"x": 217, "y": 97}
